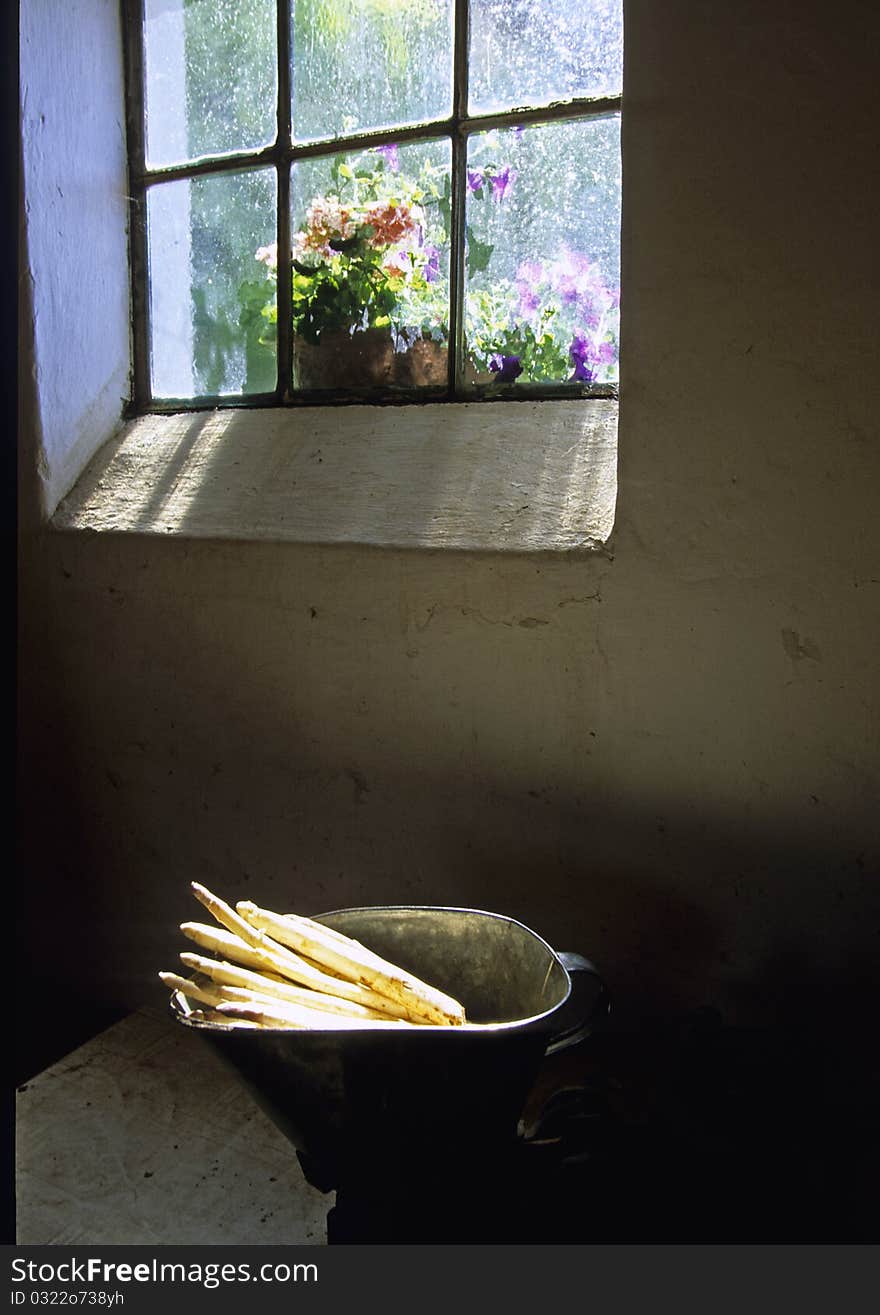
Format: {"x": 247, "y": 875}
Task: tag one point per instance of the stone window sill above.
{"x": 520, "y": 477}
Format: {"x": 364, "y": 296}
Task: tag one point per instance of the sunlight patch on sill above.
{"x": 524, "y": 477}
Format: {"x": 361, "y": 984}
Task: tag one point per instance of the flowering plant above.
{"x": 363, "y": 259}
{"x": 556, "y": 320}
{"x": 369, "y": 255}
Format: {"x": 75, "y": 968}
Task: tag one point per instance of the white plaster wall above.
{"x": 664, "y": 756}
{"x": 74, "y": 194}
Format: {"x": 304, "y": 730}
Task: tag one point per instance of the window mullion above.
{"x": 459, "y": 195}
{"x": 284, "y": 321}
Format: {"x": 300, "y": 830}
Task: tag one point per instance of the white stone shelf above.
{"x": 142, "y": 1137}
{"x": 518, "y": 477}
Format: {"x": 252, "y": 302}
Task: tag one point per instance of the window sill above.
{"x": 521, "y": 477}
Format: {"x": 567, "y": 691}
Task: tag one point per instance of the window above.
{"x": 339, "y": 200}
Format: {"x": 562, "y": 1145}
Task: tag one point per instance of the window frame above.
{"x": 457, "y": 128}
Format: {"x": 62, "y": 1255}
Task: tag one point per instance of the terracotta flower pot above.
{"x": 344, "y": 360}
{"x": 426, "y": 362}
{"x": 366, "y": 360}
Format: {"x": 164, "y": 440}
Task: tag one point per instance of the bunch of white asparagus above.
{"x": 284, "y": 971}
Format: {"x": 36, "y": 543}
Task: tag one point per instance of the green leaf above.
{"x": 478, "y": 253}
{"x": 338, "y": 162}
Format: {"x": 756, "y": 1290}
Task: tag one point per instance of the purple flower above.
{"x": 501, "y": 182}
{"x": 531, "y": 271}
{"x": 529, "y": 301}
{"x": 531, "y": 279}
{"x": 578, "y": 282}
{"x": 507, "y": 368}
{"x": 586, "y": 356}
{"x": 475, "y": 178}
{"x": 392, "y": 159}
{"x": 579, "y": 353}
{"x": 431, "y": 270}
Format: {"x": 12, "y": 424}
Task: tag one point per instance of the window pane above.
{"x": 543, "y": 217}
{"x": 211, "y": 302}
{"x": 532, "y": 52}
{"x": 210, "y": 78}
{"x": 371, "y": 268}
{"x": 365, "y": 64}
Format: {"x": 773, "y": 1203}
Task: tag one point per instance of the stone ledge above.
{"x": 517, "y": 477}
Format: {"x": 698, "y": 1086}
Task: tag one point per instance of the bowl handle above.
{"x": 579, "y": 969}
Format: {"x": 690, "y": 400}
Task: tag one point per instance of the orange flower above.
{"x": 390, "y": 223}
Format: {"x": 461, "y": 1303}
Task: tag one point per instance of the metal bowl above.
{"x": 341, "y": 1096}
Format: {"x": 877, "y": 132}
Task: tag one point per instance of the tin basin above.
{"x": 346, "y": 1097}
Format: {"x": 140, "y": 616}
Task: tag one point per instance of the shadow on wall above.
{"x": 167, "y": 742}
{"x": 766, "y": 929}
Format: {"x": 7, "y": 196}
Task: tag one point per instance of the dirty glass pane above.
{"x": 364, "y": 64}
{"x": 542, "y": 263}
{"x": 210, "y": 78}
{"x": 370, "y": 244}
{"x": 533, "y": 52}
{"x": 212, "y": 326}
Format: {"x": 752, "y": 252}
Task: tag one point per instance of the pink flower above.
{"x": 397, "y": 264}
{"x": 305, "y": 252}
{"x": 326, "y": 220}
{"x": 268, "y": 256}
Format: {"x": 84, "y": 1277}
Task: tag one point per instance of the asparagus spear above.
{"x": 229, "y": 974}
{"x": 349, "y": 985}
{"x": 217, "y": 994}
{"x": 279, "y": 1013}
{"x": 229, "y": 945}
{"x": 207, "y": 993}
{"x": 290, "y": 966}
{"x": 214, "y": 1016}
{"x": 344, "y": 955}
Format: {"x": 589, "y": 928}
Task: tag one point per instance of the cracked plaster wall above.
{"x": 663, "y": 756}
